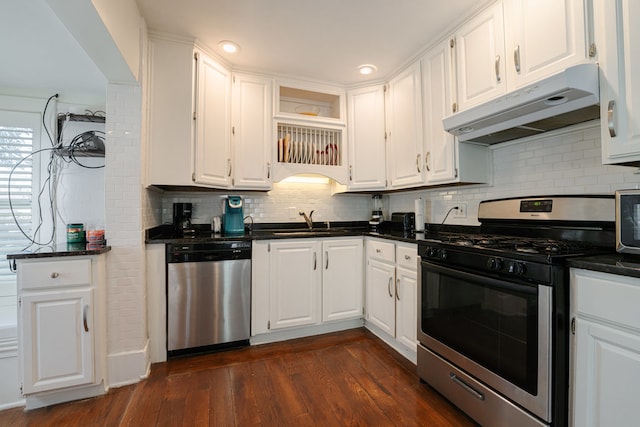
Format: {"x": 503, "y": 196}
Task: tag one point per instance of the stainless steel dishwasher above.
{"x": 208, "y": 296}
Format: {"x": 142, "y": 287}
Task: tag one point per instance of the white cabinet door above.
{"x": 607, "y": 376}
{"x": 406, "y": 307}
{"x": 252, "y": 119}
{"x": 213, "y": 130}
{"x": 437, "y": 84}
{"x": 57, "y": 333}
{"x": 380, "y": 309}
{"x": 535, "y": 51}
{"x": 295, "y": 297}
{"x": 342, "y": 279}
{"x": 366, "y": 139}
{"x": 404, "y": 128}
{"x": 480, "y": 58}
{"x": 618, "y": 41}
{"x": 170, "y": 150}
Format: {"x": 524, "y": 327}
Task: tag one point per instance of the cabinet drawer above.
{"x": 406, "y": 256}
{"x": 383, "y": 251}
{"x": 50, "y": 274}
{"x": 609, "y": 297}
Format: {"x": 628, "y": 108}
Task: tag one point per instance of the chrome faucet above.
{"x": 308, "y": 219}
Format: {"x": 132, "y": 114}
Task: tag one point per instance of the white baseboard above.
{"x": 128, "y": 367}
{"x": 306, "y": 331}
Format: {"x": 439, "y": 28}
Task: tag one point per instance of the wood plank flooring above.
{"x": 348, "y": 378}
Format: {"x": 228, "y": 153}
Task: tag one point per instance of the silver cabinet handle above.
{"x": 268, "y": 170}
{"x": 228, "y": 167}
{"x": 315, "y": 261}
{"x": 350, "y": 172}
{"x": 498, "y": 78}
{"x": 418, "y": 163}
{"x": 389, "y": 287}
{"x": 326, "y": 258}
{"x": 84, "y": 318}
{"x": 516, "y": 58}
{"x": 397, "y": 294}
{"x": 54, "y": 275}
{"x": 611, "y": 118}
{"x": 427, "y": 157}
{"x": 466, "y": 386}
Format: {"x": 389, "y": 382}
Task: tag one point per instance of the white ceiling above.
{"x": 322, "y": 40}
{"x": 40, "y": 57}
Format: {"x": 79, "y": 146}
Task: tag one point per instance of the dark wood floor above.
{"x": 348, "y": 378}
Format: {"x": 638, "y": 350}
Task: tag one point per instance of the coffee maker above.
{"x": 233, "y": 219}
{"x": 182, "y": 219}
{"x": 376, "y": 215}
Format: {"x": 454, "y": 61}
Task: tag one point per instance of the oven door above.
{"x": 497, "y": 331}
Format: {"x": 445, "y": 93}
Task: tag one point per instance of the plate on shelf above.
{"x": 308, "y": 110}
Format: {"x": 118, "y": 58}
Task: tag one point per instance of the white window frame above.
{"x": 32, "y": 120}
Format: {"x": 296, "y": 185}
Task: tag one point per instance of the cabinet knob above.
{"x": 54, "y": 275}
{"x": 407, "y": 257}
{"x": 378, "y": 250}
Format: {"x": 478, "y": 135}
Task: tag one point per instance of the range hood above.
{"x": 563, "y": 99}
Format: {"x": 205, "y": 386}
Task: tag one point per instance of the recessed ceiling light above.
{"x": 228, "y": 46}
{"x": 366, "y": 69}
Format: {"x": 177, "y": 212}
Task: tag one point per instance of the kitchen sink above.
{"x": 309, "y": 233}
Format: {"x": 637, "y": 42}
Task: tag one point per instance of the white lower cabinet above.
{"x": 605, "y": 374}
{"x": 391, "y": 293}
{"x": 61, "y": 329}
{"x": 305, "y": 282}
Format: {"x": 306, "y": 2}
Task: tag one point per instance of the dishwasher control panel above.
{"x": 210, "y": 251}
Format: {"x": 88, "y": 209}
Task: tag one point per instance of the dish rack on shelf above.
{"x": 309, "y": 145}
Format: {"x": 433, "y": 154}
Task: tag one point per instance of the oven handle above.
{"x": 466, "y": 386}
{"x": 488, "y": 281}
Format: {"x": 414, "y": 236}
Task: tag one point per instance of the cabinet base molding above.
{"x": 128, "y": 367}
{"x": 60, "y": 396}
{"x": 392, "y": 342}
{"x": 305, "y": 331}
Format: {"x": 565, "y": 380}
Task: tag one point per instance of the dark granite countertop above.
{"x": 61, "y": 250}
{"x": 272, "y": 231}
{"x": 614, "y": 263}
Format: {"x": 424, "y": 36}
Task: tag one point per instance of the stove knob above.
{"x": 442, "y": 254}
{"x": 495, "y": 264}
{"x": 431, "y": 252}
{"x": 516, "y": 268}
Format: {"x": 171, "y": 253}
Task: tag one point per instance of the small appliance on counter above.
{"x": 376, "y": 215}
{"x": 628, "y": 221}
{"x": 182, "y": 219}
{"x": 233, "y": 220}
{"x": 404, "y": 221}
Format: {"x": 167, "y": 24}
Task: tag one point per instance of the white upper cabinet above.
{"x": 542, "y": 38}
{"x": 618, "y": 41}
{"x": 189, "y": 116}
{"x": 480, "y": 58}
{"x": 213, "y": 130}
{"x": 447, "y": 160}
{"x": 365, "y": 125}
{"x": 437, "y": 84}
{"x": 404, "y": 129}
{"x": 251, "y": 131}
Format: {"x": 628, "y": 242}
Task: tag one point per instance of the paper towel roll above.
{"x": 419, "y": 210}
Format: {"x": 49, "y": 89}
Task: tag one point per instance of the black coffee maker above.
{"x": 182, "y": 219}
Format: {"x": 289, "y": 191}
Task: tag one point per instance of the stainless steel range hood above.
{"x": 561, "y": 100}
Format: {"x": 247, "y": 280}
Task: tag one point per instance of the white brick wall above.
{"x": 124, "y": 204}
{"x": 274, "y": 205}
{"x": 562, "y": 163}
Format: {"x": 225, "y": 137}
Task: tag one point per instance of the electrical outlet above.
{"x": 461, "y": 212}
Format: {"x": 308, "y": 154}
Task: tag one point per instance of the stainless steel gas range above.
{"x": 493, "y": 321}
